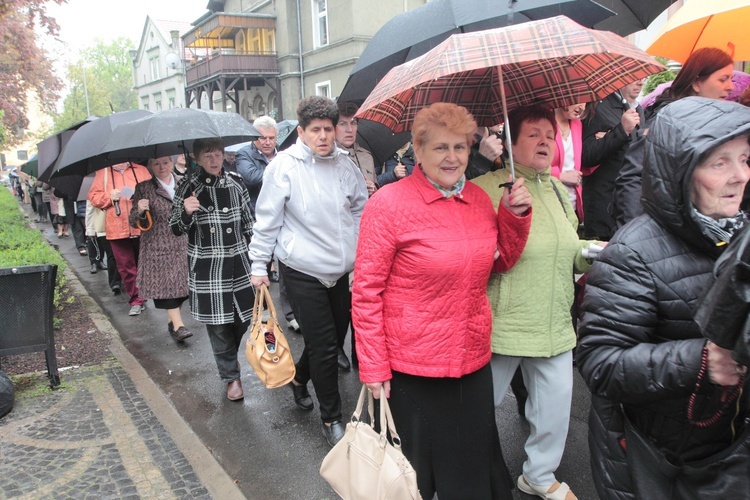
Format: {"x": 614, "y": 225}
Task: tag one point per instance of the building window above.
{"x": 323, "y": 89}
{"x": 144, "y": 102}
{"x": 171, "y": 98}
{"x": 157, "y": 102}
{"x": 273, "y": 106}
{"x": 153, "y": 64}
{"x": 320, "y": 22}
{"x": 259, "y": 106}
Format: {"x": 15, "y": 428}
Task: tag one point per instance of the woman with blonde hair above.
{"x": 422, "y": 320}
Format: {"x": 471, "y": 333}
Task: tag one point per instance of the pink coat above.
{"x": 576, "y": 131}
{"x": 419, "y": 303}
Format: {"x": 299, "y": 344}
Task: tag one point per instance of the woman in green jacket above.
{"x": 532, "y": 327}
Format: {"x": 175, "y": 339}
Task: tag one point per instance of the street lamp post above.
{"x": 85, "y": 83}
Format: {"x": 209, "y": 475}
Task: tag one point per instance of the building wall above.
{"x": 155, "y": 94}
{"x": 351, "y": 25}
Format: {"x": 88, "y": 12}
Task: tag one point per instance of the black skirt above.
{"x": 169, "y": 303}
{"x": 448, "y": 433}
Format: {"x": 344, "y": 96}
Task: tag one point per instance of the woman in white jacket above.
{"x": 307, "y": 214}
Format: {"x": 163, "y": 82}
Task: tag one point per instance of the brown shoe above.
{"x": 234, "y": 390}
{"x": 181, "y": 334}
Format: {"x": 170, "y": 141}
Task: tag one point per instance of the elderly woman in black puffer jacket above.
{"x": 654, "y": 379}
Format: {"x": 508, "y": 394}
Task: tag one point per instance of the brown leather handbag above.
{"x": 267, "y": 349}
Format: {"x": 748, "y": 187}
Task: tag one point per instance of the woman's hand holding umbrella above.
{"x": 517, "y": 198}
{"x": 143, "y": 206}
{"x": 191, "y": 204}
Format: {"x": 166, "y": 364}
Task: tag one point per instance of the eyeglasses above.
{"x": 347, "y": 124}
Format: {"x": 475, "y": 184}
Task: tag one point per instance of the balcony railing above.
{"x": 231, "y": 62}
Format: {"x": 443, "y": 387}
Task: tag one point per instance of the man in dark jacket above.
{"x": 607, "y": 133}
{"x": 640, "y": 351}
{"x": 251, "y": 161}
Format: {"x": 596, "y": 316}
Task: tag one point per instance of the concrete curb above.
{"x": 212, "y": 475}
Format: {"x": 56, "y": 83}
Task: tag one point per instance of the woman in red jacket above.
{"x": 422, "y": 319}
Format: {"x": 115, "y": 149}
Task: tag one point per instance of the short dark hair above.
{"x": 207, "y": 145}
{"x": 316, "y": 107}
{"x": 531, "y": 114}
{"x": 347, "y": 108}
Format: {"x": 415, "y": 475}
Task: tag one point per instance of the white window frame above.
{"x": 154, "y": 69}
{"x": 320, "y": 17}
{"x": 145, "y": 102}
{"x": 323, "y": 89}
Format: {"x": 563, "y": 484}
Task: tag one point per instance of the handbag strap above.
{"x": 386, "y": 418}
{"x": 263, "y": 298}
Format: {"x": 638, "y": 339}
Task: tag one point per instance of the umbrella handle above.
{"x": 149, "y": 222}
{"x": 506, "y": 127}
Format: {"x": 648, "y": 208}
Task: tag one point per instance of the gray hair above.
{"x": 265, "y": 122}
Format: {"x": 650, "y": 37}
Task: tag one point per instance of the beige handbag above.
{"x": 366, "y": 465}
{"x": 267, "y": 349}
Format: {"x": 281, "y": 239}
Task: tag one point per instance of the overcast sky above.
{"x": 81, "y": 21}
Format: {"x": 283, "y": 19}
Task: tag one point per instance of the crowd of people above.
{"x": 457, "y": 278}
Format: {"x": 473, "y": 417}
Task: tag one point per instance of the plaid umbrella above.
{"x": 554, "y": 61}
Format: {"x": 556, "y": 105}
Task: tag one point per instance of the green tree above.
{"x": 24, "y": 65}
{"x": 109, "y": 82}
{"x": 654, "y": 81}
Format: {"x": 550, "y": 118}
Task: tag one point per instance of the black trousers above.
{"x": 98, "y": 249}
{"x": 323, "y": 315}
{"x": 226, "y": 341}
{"x": 448, "y": 433}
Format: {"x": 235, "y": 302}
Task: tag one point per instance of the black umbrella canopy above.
{"x": 631, "y": 15}
{"x": 173, "y": 132}
{"x": 82, "y": 153}
{"x": 31, "y": 167}
{"x": 51, "y": 147}
{"x": 286, "y": 133}
{"x": 414, "y": 33}
{"x": 380, "y": 140}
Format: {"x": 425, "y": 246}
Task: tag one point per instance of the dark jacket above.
{"x": 251, "y": 163}
{"x": 390, "y": 165}
{"x": 639, "y": 346}
{"x": 626, "y": 200}
{"x": 607, "y": 153}
{"x": 218, "y": 236}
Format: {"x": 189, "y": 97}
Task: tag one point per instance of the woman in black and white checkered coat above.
{"x": 213, "y": 208}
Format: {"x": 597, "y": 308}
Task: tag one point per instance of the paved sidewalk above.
{"x": 107, "y": 432}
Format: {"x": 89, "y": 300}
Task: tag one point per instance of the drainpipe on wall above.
{"x": 301, "y": 63}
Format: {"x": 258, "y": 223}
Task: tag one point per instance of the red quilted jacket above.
{"x": 419, "y": 302}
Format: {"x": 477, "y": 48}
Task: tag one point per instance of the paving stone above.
{"x": 63, "y": 445}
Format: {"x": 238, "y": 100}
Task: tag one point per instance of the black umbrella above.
{"x": 31, "y": 167}
{"x": 83, "y": 152}
{"x": 380, "y": 140}
{"x": 51, "y": 147}
{"x": 286, "y": 134}
{"x": 631, "y": 15}
{"x": 413, "y": 33}
{"x": 723, "y": 314}
{"x": 173, "y": 131}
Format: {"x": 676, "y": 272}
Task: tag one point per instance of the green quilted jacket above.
{"x": 531, "y": 302}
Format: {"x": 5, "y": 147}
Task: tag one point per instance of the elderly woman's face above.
{"x": 211, "y": 161}
{"x": 534, "y": 146}
{"x": 718, "y": 182}
{"x": 444, "y": 156}
{"x": 162, "y": 167}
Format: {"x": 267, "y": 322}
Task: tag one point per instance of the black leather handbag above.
{"x": 664, "y": 476}
{"x": 724, "y": 312}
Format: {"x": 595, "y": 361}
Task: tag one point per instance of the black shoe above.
{"x": 301, "y": 396}
{"x": 94, "y": 269}
{"x": 102, "y": 265}
{"x": 344, "y": 361}
{"x": 117, "y": 289}
{"x": 334, "y": 432}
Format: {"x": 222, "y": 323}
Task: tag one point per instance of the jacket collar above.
{"x": 429, "y": 192}
{"x": 531, "y": 174}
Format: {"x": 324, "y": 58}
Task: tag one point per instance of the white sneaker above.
{"x": 293, "y": 324}
{"x": 135, "y": 310}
